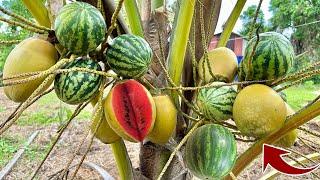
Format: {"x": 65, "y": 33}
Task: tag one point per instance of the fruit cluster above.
{"x": 129, "y": 109}
{"x": 256, "y": 109}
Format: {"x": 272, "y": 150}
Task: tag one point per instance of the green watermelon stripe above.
{"x": 80, "y": 27}
{"x": 77, "y": 87}
{"x": 273, "y": 58}
{"x": 141, "y": 46}
{"x": 122, "y": 44}
{"x": 129, "y": 56}
{"x": 123, "y": 66}
{"x": 133, "y": 55}
{"x": 210, "y": 152}
{"x": 126, "y": 56}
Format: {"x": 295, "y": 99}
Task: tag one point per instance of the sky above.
{"x": 228, "y": 5}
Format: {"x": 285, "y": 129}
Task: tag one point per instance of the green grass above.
{"x": 51, "y": 110}
{"x": 299, "y": 96}
{"x": 49, "y": 99}
{"x": 8, "y": 146}
{"x": 38, "y": 118}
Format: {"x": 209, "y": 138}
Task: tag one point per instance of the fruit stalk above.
{"x": 157, "y": 4}
{"x": 179, "y": 40}
{"x": 24, "y": 26}
{"x": 184, "y": 140}
{"x": 122, "y": 158}
{"x": 293, "y": 122}
{"x": 22, "y": 19}
{"x": 9, "y": 42}
{"x": 38, "y": 11}
{"x": 231, "y": 22}
{"x": 134, "y": 17}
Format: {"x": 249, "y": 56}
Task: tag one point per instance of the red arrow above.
{"x": 273, "y": 156}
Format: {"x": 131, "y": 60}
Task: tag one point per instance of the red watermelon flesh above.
{"x": 133, "y": 109}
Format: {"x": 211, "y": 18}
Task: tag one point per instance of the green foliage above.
{"x": 288, "y": 15}
{"x": 247, "y": 18}
{"x": 12, "y": 32}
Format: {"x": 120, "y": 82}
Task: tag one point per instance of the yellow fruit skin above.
{"x": 28, "y": 56}
{"x": 223, "y": 63}
{"x": 166, "y": 120}
{"x": 112, "y": 120}
{"x": 104, "y": 132}
{"x": 258, "y": 110}
{"x": 290, "y": 138}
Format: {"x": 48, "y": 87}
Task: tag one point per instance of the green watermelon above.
{"x": 211, "y": 152}
{"x": 217, "y": 102}
{"x": 273, "y": 58}
{"x": 129, "y": 56}
{"x": 77, "y": 87}
{"x": 80, "y": 27}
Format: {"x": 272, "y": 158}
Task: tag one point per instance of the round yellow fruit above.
{"x": 30, "y": 55}
{"x": 258, "y": 110}
{"x": 290, "y": 138}
{"x": 166, "y": 120}
{"x": 223, "y": 63}
{"x": 104, "y": 132}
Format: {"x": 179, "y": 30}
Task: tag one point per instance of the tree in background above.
{"x": 302, "y": 19}
{"x": 8, "y": 33}
{"x": 247, "y": 18}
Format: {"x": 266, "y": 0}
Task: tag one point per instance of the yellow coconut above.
{"x": 104, "y": 132}
{"x": 223, "y": 64}
{"x": 290, "y": 138}
{"x": 258, "y": 110}
{"x": 166, "y": 120}
{"x": 30, "y": 55}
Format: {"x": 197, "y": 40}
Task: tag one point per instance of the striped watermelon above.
{"x": 80, "y": 27}
{"x": 77, "y": 87}
{"x": 273, "y": 58}
{"x": 211, "y": 152}
{"x": 129, "y": 56}
{"x": 216, "y": 102}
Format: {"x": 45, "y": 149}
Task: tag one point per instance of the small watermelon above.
{"x": 78, "y": 87}
{"x": 129, "y": 56}
{"x": 211, "y": 152}
{"x": 216, "y": 103}
{"x": 131, "y": 110}
{"x": 273, "y": 58}
{"x": 80, "y": 27}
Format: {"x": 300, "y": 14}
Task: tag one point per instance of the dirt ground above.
{"x": 101, "y": 154}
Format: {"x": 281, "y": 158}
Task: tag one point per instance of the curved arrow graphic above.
{"x": 273, "y": 156}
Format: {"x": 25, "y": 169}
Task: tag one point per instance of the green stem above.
{"x": 156, "y": 4}
{"x": 293, "y": 122}
{"x": 122, "y": 158}
{"x": 179, "y": 41}
{"x": 230, "y": 23}
{"x": 134, "y": 17}
{"x": 38, "y": 11}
